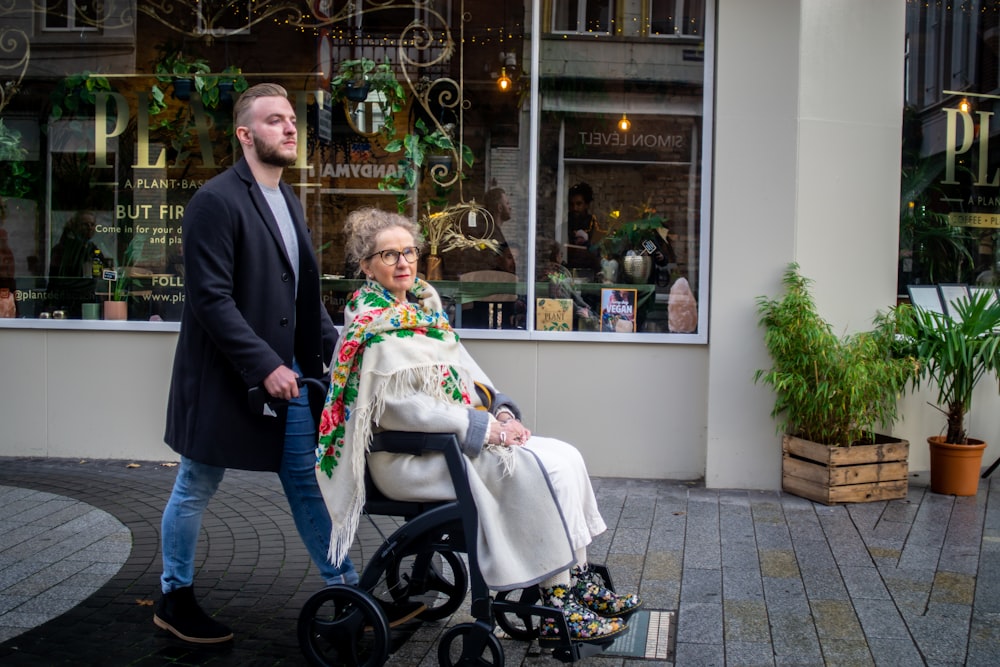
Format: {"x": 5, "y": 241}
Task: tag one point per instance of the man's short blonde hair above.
{"x": 242, "y": 107}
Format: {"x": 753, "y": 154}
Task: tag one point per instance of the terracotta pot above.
{"x": 433, "y": 267}
{"x": 955, "y": 468}
{"x": 115, "y": 310}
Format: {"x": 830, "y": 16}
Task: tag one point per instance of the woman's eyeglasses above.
{"x": 391, "y": 257}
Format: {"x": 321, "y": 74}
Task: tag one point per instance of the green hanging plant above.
{"x": 414, "y": 150}
{"x": 358, "y": 78}
{"x": 75, "y": 95}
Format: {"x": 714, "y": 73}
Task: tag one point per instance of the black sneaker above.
{"x": 179, "y": 613}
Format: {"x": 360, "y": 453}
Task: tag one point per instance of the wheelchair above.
{"x": 421, "y": 562}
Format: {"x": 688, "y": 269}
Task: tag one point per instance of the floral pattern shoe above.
{"x": 584, "y": 625}
{"x": 589, "y": 590}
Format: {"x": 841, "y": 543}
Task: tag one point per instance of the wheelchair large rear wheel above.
{"x": 428, "y": 571}
{"x": 343, "y": 626}
{"x": 437, "y": 577}
{"x": 459, "y": 646}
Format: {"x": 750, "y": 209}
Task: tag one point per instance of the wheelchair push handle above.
{"x": 262, "y": 403}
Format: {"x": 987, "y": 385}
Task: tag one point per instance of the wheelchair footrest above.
{"x": 563, "y": 648}
{"x": 580, "y": 650}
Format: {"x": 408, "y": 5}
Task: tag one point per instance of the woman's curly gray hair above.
{"x": 365, "y": 224}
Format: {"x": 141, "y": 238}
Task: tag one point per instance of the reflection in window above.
{"x": 106, "y": 167}
{"x": 582, "y": 15}
{"x": 668, "y": 18}
{"x": 231, "y": 19}
{"x": 949, "y": 212}
{"x": 72, "y": 14}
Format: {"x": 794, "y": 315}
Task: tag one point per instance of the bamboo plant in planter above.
{"x": 955, "y": 353}
{"x": 831, "y": 395}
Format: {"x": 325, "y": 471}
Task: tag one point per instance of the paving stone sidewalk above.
{"x": 757, "y": 578}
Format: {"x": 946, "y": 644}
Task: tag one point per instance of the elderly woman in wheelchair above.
{"x": 400, "y": 366}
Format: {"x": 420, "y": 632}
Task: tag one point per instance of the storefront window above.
{"x": 429, "y": 109}
{"x": 950, "y": 200}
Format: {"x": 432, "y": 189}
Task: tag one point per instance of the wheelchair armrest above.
{"x": 412, "y": 442}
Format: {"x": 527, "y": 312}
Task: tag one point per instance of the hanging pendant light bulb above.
{"x": 504, "y": 81}
{"x": 624, "y": 124}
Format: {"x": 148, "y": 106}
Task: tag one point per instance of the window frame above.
{"x": 71, "y": 12}
{"x": 679, "y": 21}
{"x": 581, "y": 18}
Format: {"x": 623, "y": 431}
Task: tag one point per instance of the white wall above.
{"x": 84, "y": 394}
{"x": 633, "y": 410}
{"x": 753, "y": 228}
{"x": 809, "y": 107}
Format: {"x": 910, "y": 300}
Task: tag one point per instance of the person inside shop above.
{"x": 582, "y": 229}
{"x": 497, "y": 202}
{"x": 400, "y": 366}
{"x": 252, "y": 317}
{"x": 477, "y": 314}
{"x": 76, "y": 264}
{"x": 664, "y": 257}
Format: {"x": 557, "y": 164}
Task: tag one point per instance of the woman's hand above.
{"x": 508, "y": 433}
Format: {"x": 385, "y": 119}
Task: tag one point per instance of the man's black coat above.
{"x": 241, "y": 320}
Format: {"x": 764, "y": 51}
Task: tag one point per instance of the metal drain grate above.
{"x": 650, "y": 636}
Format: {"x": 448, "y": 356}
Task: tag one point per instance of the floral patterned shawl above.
{"x": 385, "y": 345}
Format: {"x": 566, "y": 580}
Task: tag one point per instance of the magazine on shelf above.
{"x": 618, "y": 310}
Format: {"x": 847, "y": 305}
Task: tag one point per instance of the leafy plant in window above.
{"x": 621, "y": 237}
{"x": 118, "y": 289}
{"x": 75, "y": 95}
{"x": 189, "y": 74}
{"x": 358, "y": 78}
{"x": 182, "y": 71}
{"x": 16, "y": 180}
{"x": 931, "y": 249}
{"x": 414, "y": 150}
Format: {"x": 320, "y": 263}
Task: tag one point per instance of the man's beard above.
{"x": 271, "y": 154}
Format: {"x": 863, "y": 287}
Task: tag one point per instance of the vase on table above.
{"x": 433, "y": 267}
{"x": 637, "y": 268}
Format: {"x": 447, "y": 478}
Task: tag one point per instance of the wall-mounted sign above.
{"x": 650, "y": 138}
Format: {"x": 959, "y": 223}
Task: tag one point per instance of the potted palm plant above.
{"x": 832, "y": 394}
{"x": 955, "y": 353}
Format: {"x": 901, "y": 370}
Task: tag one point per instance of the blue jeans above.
{"x": 196, "y": 483}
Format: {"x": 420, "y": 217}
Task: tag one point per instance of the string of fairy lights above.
{"x": 196, "y": 18}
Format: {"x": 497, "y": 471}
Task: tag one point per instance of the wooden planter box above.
{"x": 857, "y": 474}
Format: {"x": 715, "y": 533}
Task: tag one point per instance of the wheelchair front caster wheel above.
{"x": 469, "y": 645}
{"x": 343, "y": 625}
